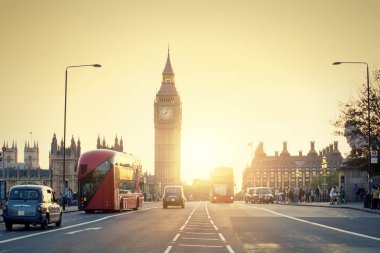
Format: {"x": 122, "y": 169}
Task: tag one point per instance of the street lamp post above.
{"x": 324, "y": 172}
{"x": 368, "y": 108}
{"x": 64, "y": 127}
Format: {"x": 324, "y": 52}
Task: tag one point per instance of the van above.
{"x": 32, "y": 205}
{"x": 173, "y": 196}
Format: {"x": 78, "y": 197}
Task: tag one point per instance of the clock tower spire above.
{"x": 167, "y": 124}
{"x": 168, "y": 74}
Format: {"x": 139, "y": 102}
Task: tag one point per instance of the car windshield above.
{"x": 23, "y": 194}
{"x": 171, "y": 190}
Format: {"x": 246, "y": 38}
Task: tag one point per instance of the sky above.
{"x": 247, "y": 71}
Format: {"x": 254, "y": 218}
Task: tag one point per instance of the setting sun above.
{"x": 199, "y": 155}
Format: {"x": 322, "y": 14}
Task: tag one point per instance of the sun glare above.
{"x": 199, "y": 157}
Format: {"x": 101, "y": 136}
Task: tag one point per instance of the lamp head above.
{"x": 97, "y": 65}
{"x": 337, "y": 63}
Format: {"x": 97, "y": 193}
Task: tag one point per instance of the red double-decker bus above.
{"x": 222, "y": 185}
{"x": 109, "y": 181}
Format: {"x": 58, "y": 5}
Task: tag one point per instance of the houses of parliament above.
{"x": 30, "y": 171}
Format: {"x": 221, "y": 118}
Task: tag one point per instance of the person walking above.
{"x": 318, "y": 193}
{"x": 342, "y": 194}
{"x": 356, "y": 192}
{"x": 375, "y": 197}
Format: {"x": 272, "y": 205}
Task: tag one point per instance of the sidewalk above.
{"x": 348, "y": 205}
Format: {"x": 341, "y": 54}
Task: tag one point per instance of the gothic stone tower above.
{"x": 31, "y": 155}
{"x": 72, "y": 155}
{"x": 167, "y": 124}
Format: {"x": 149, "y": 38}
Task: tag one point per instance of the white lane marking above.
{"x": 199, "y": 233}
{"x": 198, "y": 238}
{"x": 215, "y": 227}
{"x": 222, "y": 237}
{"x": 182, "y": 228}
{"x": 168, "y": 249}
{"x": 200, "y": 228}
{"x": 230, "y": 249}
{"x": 176, "y": 237}
{"x": 319, "y": 225}
{"x": 81, "y": 230}
{"x": 199, "y": 245}
{"x": 72, "y": 226}
{"x": 199, "y": 225}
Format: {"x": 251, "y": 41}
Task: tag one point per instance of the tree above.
{"x": 353, "y": 119}
{"x": 332, "y": 179}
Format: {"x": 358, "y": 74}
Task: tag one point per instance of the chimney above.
{"x": 276, "y": 153}
{"x": 312, "y": 147}
{"x": 336, "y": 146}
{"x": 284, "y": 146}
{"x": 300, "y": 153}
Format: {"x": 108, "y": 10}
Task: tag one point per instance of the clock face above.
{"x": 166, "y": 112}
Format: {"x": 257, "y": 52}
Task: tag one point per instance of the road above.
{"x": 204, "y": 227}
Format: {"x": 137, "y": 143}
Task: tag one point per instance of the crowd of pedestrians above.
{"x": 309, "y": 194}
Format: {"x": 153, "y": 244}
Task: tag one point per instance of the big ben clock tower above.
{"x": 167, "y": 125}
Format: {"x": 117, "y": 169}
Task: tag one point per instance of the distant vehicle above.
{"x": 222, "y": 185}
{"x": 173, "y": 196}
{"x": 109, "y": 181}
{"x": 249, "y": 194}
{"x": 32, "y": 205}
{"x": 262, "y": 195}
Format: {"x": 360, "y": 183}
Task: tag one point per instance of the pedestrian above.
{"x": 312, "y": 195}
{"x": 318, "y": 193}
{"x": 375, "y": 197}
{"x": 356, "y": 192}
{"x": 342, "y": 194}
{"x": 332, "y": 196}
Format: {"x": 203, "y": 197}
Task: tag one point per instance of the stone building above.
{"x": 167, "y": 125}
{"x": 29, "y": 172}
{"x": 118, "y": 145}
{"x": 72, "y": 155}
{"x": 284, "y": 170}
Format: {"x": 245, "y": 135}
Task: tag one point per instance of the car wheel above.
{"x": 8, "y": 226}
{"x": 164, "y": 206}
{"x": 44, "y": 224}
{"x": 58, "y": 223}
{"x": 183, "y": 205}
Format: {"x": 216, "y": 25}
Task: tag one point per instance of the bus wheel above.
{"x": 137, "y": 204}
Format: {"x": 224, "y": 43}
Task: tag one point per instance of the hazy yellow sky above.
{"x": 246, "y": 71}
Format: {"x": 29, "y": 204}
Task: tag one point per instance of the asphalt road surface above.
{"x": 204, "y": 227}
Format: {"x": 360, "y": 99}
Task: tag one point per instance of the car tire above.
{"x": 58, "y": 223}
{"x": 8, "y": 226}
{"x": 44, "y": 224}
{"x": 165, "y": 206}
